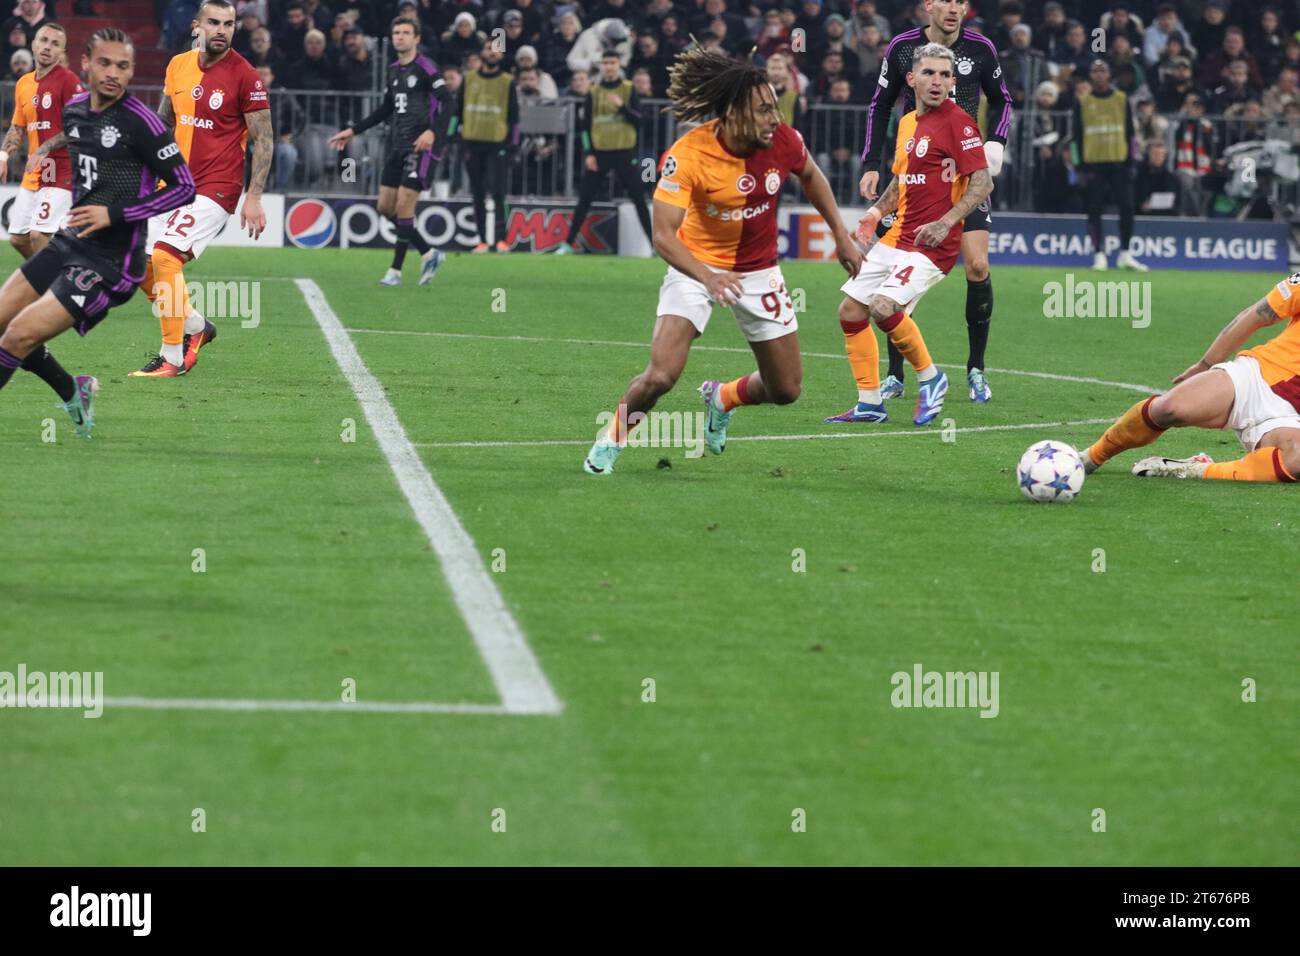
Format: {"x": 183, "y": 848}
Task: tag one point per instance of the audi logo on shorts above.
{"x": 746, "y": 183}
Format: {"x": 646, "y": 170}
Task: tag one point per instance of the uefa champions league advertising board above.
{"x": 447, "y": 224}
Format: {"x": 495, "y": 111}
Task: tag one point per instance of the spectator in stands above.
{"x": 512, "y": 22}
{"x": 14, "y": 39}
{"x": 288, "y": 121}
{"x": 1119, "y": 22}
{"x": 1282, "y": 93}
{"x": 1267, "y": 41}
{"x": 1288, "y": 126}
{"x": 773, "y": 36}
{"x": 811, "y": 20}
{"x": 579, "y": 84}
{"x": 249, "y": 23}
{"x": 1214, "y": 65}
{"x": 837, "y": 140}
{"x": 649, "y": 58}
{"x": 1073, "y": 57}
{"x": 1047, "y": 136}
{"x": 1050, "y": 36}
{"x": 836, "y": 37}
{"x": 655, "y": 12}
{"x": 866, "y": 14}
{"x": 558, "y": 44}
{"x": 319, "y": 16}
{"x": 526, "y": 59}
{"x": 911, "y": 18}
{"x": 462, "y": 39}
{"x": 832, "y": 69}
{"x": 534, "y": 25}
{"x": 30, "y": 15}
{"x": 20, "y": 62}
{"x": 1207, "y": 35}
{"x": 595, "y": 41}
{"x": 290, "y": 34}
{"x": 1166, "y": 24}
{"x": 356, "y": 72}
{"x": 444, "y": 16}
{"x": 1148, "y": 125}
{"x": 1011, "y": 13}
{"x": 1235, "y": 91}
{"x": 177, "y": 24}
{"x": 871, "y": 50}
{"x": 1023, "y": 67}
{"x": 629, "y": 13}
{"x": 672, "y": 38}
{"x": 1126, "y": 66}
{"x": 791, "y": 104}
{"x": 261, "y": 52}
{"x": 1156, "y": 189}
{"x": 1173, "y": 50}
{"x": 1174, "y": 89}
{"x": 1244, "y": 122}
{"x": 734, "y": 32}
{"x": 1196, "y": 150}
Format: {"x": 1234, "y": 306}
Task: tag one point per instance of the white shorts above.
{"x": 1257, "y": 409}
{"x": 764, "y": 312}
{"x": 898, "y": 274}
{"x": 189, "y": 228}
{"x": 39, "y": 210}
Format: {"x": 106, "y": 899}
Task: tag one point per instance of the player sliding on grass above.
{"x": 940, "y": 175}
{"x": 416, "y": 107}
{"x": 715, "y": 226}
{"x": 120, "y": 149}
{"x": 1256, "y": 394}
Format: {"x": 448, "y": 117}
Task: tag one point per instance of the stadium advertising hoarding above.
{"x": 1062, "y": 241}
{"x": 448, "y": 224}
{"x": 232, "y": 235}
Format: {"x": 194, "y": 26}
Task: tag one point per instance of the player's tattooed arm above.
{"x": 977, "y": 190}
{"x": 166, "y": 113}
{"x": 888, "y": 202}
{"x": 13, "y": 139}
{"x": 259, "y": 131}
{"x": 57, "y": 141}
{"x": 1234, "y": 336}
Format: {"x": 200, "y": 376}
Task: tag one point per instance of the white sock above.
{"x": 927, "y": 373}
{"x": 394, "y": 272}
{"x": 869, "y": 396}
{"x": 193, "y": 323}
{"x": 173, "y": 354}
{"x": 428, "y": 255}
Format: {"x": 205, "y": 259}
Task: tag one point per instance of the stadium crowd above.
{"x": 1201, "y": 76}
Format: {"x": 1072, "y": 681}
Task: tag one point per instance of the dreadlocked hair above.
{"x": 705, "y": 83}
{"x": 108, "y": 35}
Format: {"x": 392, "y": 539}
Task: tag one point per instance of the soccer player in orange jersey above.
{"x": 940, "y": 175}
{"x": 1256, "y": 394}
{"x": 715, "y": 226}
{"x": 216, "y": 101}
{"x": 39, "y": 97}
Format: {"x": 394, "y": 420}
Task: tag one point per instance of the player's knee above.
{"x": 977, "y": 270}
{"x": 20, "y": 337}
{"x": 21, "y": 243}
{"x": 1290, "y": 449}
{"x": 658, "y": 379}
{"x": 1168, "y": 411}
{"x": 854, "y": 316}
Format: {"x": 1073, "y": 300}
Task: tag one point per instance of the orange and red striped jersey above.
{"x": 1279, "y": 358}
{"x": 209, "y": 105}
{"x": 935, "y": 155}
{"x": 38, "y": 108}
{"x": 730, "y": 200}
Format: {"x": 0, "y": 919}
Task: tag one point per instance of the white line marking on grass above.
{"x": 1052, "y": 376}
{"x": 518, "y": 677}
{"x": 301, "y": 706}
{"x": 827, "y": 436}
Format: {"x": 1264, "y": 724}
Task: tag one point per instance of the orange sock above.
{"x": 736, "y": 393}
{"x": 1132, "y": 430}
{"x": 619, "y": 427}
{"x": 864, "y": 353}
{"x": 146, "y": 284}
{"x": 907, "y": 338}
{"x": 170, "y": 299}
{"x": 1262, "y": 464}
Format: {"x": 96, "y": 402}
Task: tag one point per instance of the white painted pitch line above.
{"x": 1051, "y": 376}
{"x": 304, "y": 706}
{"x": 515, "y": 671}
{"x": 823, "y": 436}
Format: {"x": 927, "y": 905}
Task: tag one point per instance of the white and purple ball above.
{"x": 1050, "y": 471}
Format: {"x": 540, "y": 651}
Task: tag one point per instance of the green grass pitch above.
{"x": 1119, "y": 690}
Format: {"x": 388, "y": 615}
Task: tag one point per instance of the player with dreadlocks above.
{"x": 715, "y": 226}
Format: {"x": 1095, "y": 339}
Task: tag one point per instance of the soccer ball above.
{"x": 1050, "y": 471}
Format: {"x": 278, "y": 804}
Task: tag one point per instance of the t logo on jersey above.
{"x": 89, "y": 170}
{"x": 399, "y": 101}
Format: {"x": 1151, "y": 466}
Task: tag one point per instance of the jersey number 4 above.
{"x": 179, "y": 224}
